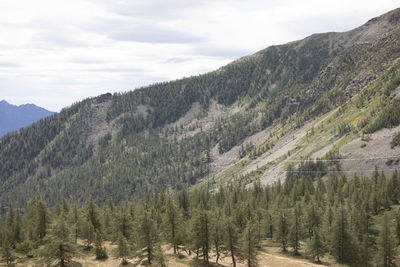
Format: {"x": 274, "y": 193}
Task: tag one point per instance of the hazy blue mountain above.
{"x": 14, "y": 117}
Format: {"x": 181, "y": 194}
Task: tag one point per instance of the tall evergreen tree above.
{"x": 42, "y": 217}
{"x": 217, "y": 232}
{"x": 7, "y": 250}
{"x": 249, "y": 243}
{"x": 59, "y": 245}
{"x": 123, "y": 249}
{"x": 173, "y": 222}
{"x": 295, "y": 231}
{"x": 316, "y": 247}
{"x": 201, "y": 233}
{"x": 75, "y": 220}
{"x": 282, "y": 226}
{"x": 100, "y": 251}
{"x": 92, "y": 214}
{"x": 367, "y": 248}
{"x": 341, "y": 241}
{"x": 386, "y": 244}
{"x": 146, "y": 233}
{"x": 231, "y": 239}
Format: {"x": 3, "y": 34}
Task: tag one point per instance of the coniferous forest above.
{"x": 355, "y": 221}
{"x": 292, "y": 152}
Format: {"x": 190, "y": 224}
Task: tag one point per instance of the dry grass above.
{"x": 268, "y": 256}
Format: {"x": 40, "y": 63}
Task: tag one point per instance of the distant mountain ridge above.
{"x": 13, "y": 118}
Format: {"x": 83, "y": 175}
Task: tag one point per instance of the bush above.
{"x": 389, "y": 117}
{"x": 26, "y": 248}
{"x": 101, "y": 253}
{"x": 395, "y": 140}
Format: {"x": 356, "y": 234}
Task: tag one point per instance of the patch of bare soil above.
{"x": 268, "y": 256}
{"x": 265, "y": 258}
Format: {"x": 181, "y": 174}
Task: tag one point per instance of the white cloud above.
{"x": 56, "y": 52}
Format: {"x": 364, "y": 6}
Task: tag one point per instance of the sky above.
{"x": 54, "y": 53}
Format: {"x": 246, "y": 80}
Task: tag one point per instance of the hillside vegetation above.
{"x": 354, "y": 222}
{"x": 249, "y": 120}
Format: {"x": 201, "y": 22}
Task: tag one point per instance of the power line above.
{"x": 341, "y": 159}
{"x": 351, "y": 171}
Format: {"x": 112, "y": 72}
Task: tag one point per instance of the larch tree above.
{"x": 231, "y": 239}
{"x": 173, "y": 222}
{"x": 146, "y": 233}
{"x": 341, "y": 241}
{"x": 316, "y": 247}
{"x": 42, "y": 219}
{"x": 59, "y": 245}
{"x": 386, "y": 244}
{"x": 249, "y": 243}
{"x": 295, "y": 231}
{"x": 7, "y": 250}
{"x": 123, "y": 249}
{"x": 282, "y": 226}
{"x": 217, "y": 232}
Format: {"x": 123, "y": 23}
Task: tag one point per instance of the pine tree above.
{"x": 268, "y": 224}
{"x": 367, "y": 247}
{"x": 312, "y": 219}
{"x": 205, "y": 234}
{"x": 146, "y": 232}
{"x": 159, "y": 257}
{"x": 201, "y": 237}
{"x": 12, "y": 226}
{"x": 42, "y": 217}
{"x": 92, "y": 214}
{"x": 231, "y": 239}
{"x": 124, "y": 224}
{"x": 248, "y": 244}
{"x": 88, "y": 233}
{"x": 65, "y": 205}
{"x": 316, "y": 247}
{"x": 7, "y": 250}
{"x": 75, "y": 220}
{"x": 341, "y": 242}
{"x": 282, "y": 227}
{"x": 59, "y": 245}
{"x": 173, "y": 222}
{"x": 123, "y": 250}
{"x": 397, "y": 219}
{"x": 217, "y": 232}
{"x": 100, "y": 251}
{"x": 386, "y": 244}
{"x": 295, "y": 229}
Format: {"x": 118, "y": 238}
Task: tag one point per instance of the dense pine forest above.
{"x": 293, "y": 150}
{"x": 356, "y": 221}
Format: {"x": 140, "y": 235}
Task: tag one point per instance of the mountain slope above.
{"x": 13, "y": 117}
{"x": 259, "y": 117}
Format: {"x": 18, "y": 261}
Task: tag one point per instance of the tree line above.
{"x": 357, "y": 221}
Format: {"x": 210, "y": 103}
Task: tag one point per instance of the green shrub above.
{"x": 389, "y": 117}
{"x": 395, "y": 140}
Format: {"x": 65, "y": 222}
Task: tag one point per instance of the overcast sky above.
{"x": 54, "y": 53}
